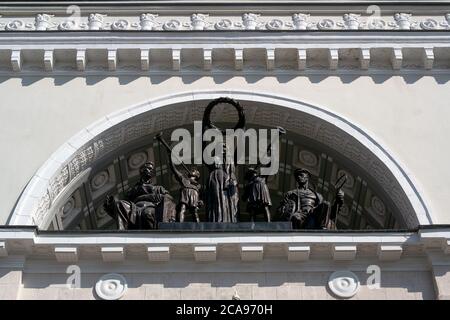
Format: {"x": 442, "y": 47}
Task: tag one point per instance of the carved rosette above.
{"x": 351, "y": 21}
{"x": 15, "y": 25}
{"x": 224, "y": 24}
{"x": 111, "y": 286}
{"x": 275, "y": 24}
{"x": 43, "y": 21}
{"x": 95, "y": 21}
{"x": 198, "y": 21}
{"x": 68, "y": 25}
{"x": 250, "y": 21}
{"x": 120, "y": 25}
{"x": 344, "y": 284}
{"x": 172, "y": 25}
{"x": 376, "y": 24}
{"x": 326, "y": 24}
{"x": 300, "y": 21}
{"x": 429, "y": 24}
{"x": 147, "y": 21}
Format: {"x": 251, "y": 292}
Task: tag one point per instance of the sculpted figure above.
{"x": 144, "y": 206}
{"x": 189, "y": 186}
{"x": 306, "y": 208}
{"x": 222, "y": 197}
{"x": 257, "y": 194}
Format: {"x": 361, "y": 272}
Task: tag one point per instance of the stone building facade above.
{"x": 362, "y": 88}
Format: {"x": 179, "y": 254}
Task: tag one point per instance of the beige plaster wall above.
{"x": 407, "y": 114}
{"x": 404, "y": 285}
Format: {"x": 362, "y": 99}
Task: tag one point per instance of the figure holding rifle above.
{"x": 331, "y": 220}
{"x": 189, "y": 186}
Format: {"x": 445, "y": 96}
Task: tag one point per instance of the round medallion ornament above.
{"x": 135, "y": 161}
{"x": 120, "y": 25}
{"x": 172, "y": 25}
{"x": 67, "y": 25}
{"x": 68, "y": 206}
{"x": 326, "y": 24}
{"x": 111, "y": 286}
{"x": 307, "y": 158}
{"x": 376, "y": 24}
{"x": 224, "y": 24}
{"x": 275, "y": 24}
{"x": 99, "y": 180}
{"x": 101, "y": 213}
{"x": 378, "y": 206}
{"x": 15, "y": 25}
{"x": 344, "y": 284}
{"x": 344, "y": 211}
{"x": 429, "y": 24}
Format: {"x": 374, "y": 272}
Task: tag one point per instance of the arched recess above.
{"x": 71, "y": 164}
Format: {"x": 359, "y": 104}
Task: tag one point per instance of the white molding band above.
{"x": 53, "y": 178}
{"x": 208, "y": 52}
{"x": 296, "y": 247}
{"x": 220, "y": 21}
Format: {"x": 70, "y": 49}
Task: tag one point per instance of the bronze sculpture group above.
{"x": 146, "y": 204}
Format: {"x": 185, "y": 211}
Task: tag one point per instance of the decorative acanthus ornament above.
{"x": 95, "y": 21}
{"x": 147, "y": 21}
{"x": 351, "y": 21}
{"x": 300, "y": 21}
{"x": 250, "y": 21}
{"x": 43, "y": 21}
{"x": 402, "y": 21}
{"x": 198, "y": 21}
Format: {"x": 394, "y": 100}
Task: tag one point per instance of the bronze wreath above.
{"x": 207, "y": 123}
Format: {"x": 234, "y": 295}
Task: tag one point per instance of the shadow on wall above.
{"x": 92, "y": 80}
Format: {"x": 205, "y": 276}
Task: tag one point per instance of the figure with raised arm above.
{"x": 189, "y": 186}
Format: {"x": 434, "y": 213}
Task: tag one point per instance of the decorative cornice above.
{"x": 130, "y": 52}
{"x": 204, "y": 21}
{"x": 156, "y": 246}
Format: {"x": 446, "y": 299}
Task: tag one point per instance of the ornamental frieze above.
{"x": 249, "y": 21}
